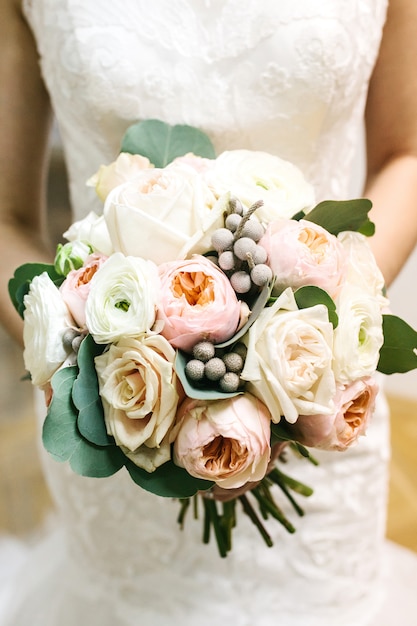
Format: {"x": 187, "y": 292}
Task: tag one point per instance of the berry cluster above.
{"x": 239, "y": 254}
{"x": 210, "y": 365}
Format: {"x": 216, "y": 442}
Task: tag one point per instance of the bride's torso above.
{"x": 288, "y": 77}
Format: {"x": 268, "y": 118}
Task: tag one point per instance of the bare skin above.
{"x": 24, "y": 121}
{"x": 391, "y": 126}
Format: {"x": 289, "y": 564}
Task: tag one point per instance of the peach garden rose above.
{"x": 226, "y": 441}
{"x": 196, "y": 303}
{"x": 303, "y": 253}
{"x": 76, "y": 286}
{"x": 354, "y": 406}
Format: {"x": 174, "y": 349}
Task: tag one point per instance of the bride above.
{"x": 290, "y": 78}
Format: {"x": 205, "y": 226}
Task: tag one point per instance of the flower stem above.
{"x": 273, "y": 510}
{"x": 250, "y": 511}
{"x": 185, "y": 503}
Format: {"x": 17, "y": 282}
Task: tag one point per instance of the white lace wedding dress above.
{"x": 289, "y": 77}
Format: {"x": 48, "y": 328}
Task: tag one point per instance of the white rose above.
{"x": 358, "y": 337}
{"x": 92, "y": 229}
{"x": 46, "y": 320}
{"x": 108, "y": 177}
{"x": 159, "y": 212}
{"x": 289, "y": 359}
{"x": 122, "y": 298}
{"x": 138, "y": 387}
{"x": 361, "y": 266}
{"x": 253, "y": 175}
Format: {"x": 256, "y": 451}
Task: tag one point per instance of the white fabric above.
{"x": 282, "y": 76}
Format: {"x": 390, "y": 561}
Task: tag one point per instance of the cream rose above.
{"x": 254, "y": 175}
{"x": 303, "y": 253}
{"x": 226, "y": 441}
{"x": 138, "y": 386}
{"x": 358, "y": 336}
{"x": 46, "y": 320}
{"x": 93, "y": 230}
{"x": 197, "y": 302}
{"x": 122, "y": 299}
{"x": 125, "y": 167}
{"x": 354, "y": 406}
{"x": 160, "y": 213}
{"x": 289, "y": 359}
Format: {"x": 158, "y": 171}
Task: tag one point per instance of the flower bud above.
{"x": 71, "y": 256}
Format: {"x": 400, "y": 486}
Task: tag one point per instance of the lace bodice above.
{"x": 286, "y": 77}
{"x": 281, "y": 76}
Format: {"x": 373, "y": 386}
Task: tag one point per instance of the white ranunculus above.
{"x": 254, "y": 175}
{"x": 361, "y": 266}
{"x": 289, "y": 359}
{"x": 122, "y": 298}
{"x": 159, "y": 212}
{"x": 138, "y": 387}
{"x": 46, "y": 320}
{"x": 358, "y": 336}
{"x": 92, "y": 229}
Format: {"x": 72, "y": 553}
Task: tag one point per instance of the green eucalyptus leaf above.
{"x": 60, "y": 435}
{"x": 258, "y": 306}
{"x": 198, "y": 393}
{"x": 23, "y": 276}
{"x": 86, "y": 395}
{"x": 162, "y": 143}
{"x": 398, "y": 353}
{"x": 63, "y": 440}
{"x": 95, "y": 461}
{"x": 337, "y": 216}
{"x": 168, "y": 480}
{"x": 310, "y": 295}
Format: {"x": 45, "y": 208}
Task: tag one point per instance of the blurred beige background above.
{"x": 24, "y": 500}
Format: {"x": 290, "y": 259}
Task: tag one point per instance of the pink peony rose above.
{"x": 197, "y": 302}
{"x": 303, "y": 253}
{"x": 226, "y": 441}
{"x": 354, "y": 405}
{"x": 76, "y": 287}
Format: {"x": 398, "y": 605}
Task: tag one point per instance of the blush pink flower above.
{"x": 303, "y": 253}
{"x": 226, "y": 441}
{"x": 76, "y": 287}
{"x": 196, "y": 303}
{"x": 354, "y": 404}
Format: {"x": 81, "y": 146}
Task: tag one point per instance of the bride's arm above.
{"x": 24, "y": 124}
{"x": 391, "y": 122}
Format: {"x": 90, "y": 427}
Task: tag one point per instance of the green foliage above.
{"x": 23, "y": 276}
{"x": 310, "y": 295}
{"x": 162, "y": 143}
{"x": 168, "y": 480}
{"x": 337, "y": 216}
{"x": 63, "y": 440}
{"x": 85, "y": 395}
{"x": 398, "y": 354}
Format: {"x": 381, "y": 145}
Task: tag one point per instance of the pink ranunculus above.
{"x": 76, "y": 287}
{"x": 197, "y": 303}
{"x": 303, "y": 253}
{"x": 226, "y": 441}
{"x": 354, "y": 404}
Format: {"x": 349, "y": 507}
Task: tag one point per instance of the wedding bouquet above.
{"x": 210, "y": 321}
